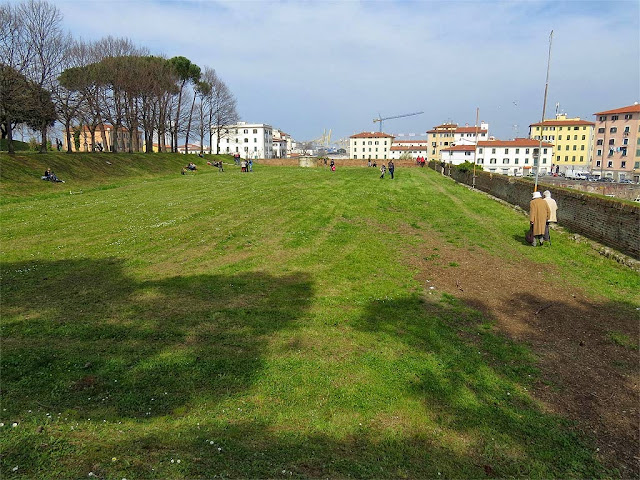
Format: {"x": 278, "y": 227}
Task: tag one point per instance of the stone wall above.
{"x": 606, "y": 220}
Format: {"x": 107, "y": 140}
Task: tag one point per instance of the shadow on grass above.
{"x": 82, "y": 337}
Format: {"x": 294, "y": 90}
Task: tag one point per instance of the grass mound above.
{"x": 20, "y": 173}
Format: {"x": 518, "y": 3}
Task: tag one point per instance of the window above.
{"x": 626, "y": 129}
{"x": 255, "y": 149}
{"x": 433, "y": 144}
{"x": 493, "y": 150}
{"x": 492, "y": 160}
{"x": 506, "y": 150}
{"x": 355, "y": 156}
{"x": 376, "y": 142}
{"x": 625, "y": 141}
{"x": 480, "y": 150}
{"x": 609, "y": 164}
{"x": 246, "y": 131}
{"x": 612, "y": 141}
{"x": 558, "y": 158}
{"x": 584, "y": 137}
{"x": 575, "y": 147}
{"x": 526, "y": 150}
{"x": 599, "y": 152}
{"x": 613, "y": 130}
{"x": 255, "y": 140}
{"x": 637, "y": 164}
{"x": 559, "y": 137}
{"x": 385, "y": 142}
{"x": 505, "y": 161}
{"x": 614, "y": 117}
{"x": 516, "y": 161}
{"x": 598, "y": 163}
{"x": 581, "y": 147}
{"x": 623, "y": 150}
{"x": 255, "y": 130}
{"x": 517, "y": 150}
{"x": 628, "y": 116}
{"x": 246, "y": 140}
{"x": 566, "y": 158}
{"x": 599, "y": 142}
{"x": 581, "y": 158}
{"x": 602, "y": 118}
{"x": 573, "y": 159}
{"x": 566, "y": 147}
{"x": 576, "y": 128}
{"x": 369, "y": 143}
{"x": 526, "y": 161}
{"x": 601, "y": 130}
{"x": 480, "y": 161}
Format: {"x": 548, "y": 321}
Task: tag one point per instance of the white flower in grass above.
{"x": 1, "y": 424}
{"x": 14, "y": 424}
{"x": 14, "y": 469}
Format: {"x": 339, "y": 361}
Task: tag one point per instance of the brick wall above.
{"x": 606, "y": 220}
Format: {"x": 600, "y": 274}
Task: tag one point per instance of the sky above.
{"x": 309, "y": 66}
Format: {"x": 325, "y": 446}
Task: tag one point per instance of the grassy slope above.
{"x": 266, "y": 325}
{"x": 20, "y": 173}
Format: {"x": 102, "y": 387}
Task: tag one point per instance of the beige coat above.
{"x": 553, "y": 208}
{"x": 539, "y": 213}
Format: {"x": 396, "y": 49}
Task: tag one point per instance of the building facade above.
{"x": 514, "y": 157}
{"x": 617, "y": 144}
{"x": 467, "y": 135}
{"x": 370, "y": 146}
{"x": 572, "y": 139}
{"x": 458, "y": 154}
{"x": 441, "y": 136}
{"x": 105, "y": 139}
{"x": 250, "y": 140}
{"x": 409, "y": 149}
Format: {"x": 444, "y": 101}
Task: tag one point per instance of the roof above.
{"x": 518, "y": 142}
{"x": 410, "y": 141}
{"x": 371, "y": 135}
{"x": 408, "y": 148}
{"x": 630, "y": 109}
{"x": 470, "y": 130}
{"x": 460, "y": 148}
{"x": 561, "y": 123}
{"x": 443, "y": 127}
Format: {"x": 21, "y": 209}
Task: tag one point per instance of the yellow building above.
{"x": 442, "y": 136}
{"x": 572, "y": 139}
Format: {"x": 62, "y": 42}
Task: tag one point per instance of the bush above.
{"x": 468, "y": 167}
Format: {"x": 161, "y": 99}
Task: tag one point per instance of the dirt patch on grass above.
{"x": 585, "y": 375}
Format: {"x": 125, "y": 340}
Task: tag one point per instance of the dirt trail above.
{"x": 585, "y": 375}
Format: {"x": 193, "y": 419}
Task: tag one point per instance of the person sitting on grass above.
{"x": 50, "y": 176}
{"x": 192, "y": 166}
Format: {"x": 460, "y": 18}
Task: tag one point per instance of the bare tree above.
{"x": 186, "y": 72}
{"x": 48, "y": 43}
{"x": 221, "y": 108}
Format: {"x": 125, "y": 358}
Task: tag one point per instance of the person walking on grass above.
{"x": 383, "y": 170}
{"x": 392, "y": 167}
{"x": 539, "y": 214}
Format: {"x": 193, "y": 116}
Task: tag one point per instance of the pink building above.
{"x": 616, "y": 152}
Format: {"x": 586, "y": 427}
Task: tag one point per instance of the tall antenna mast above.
{"x": 544, "y": 109}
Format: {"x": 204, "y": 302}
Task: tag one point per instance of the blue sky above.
{"x": 308, "y": 66}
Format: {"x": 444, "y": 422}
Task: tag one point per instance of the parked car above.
{"x": 605, "y": 179}
{"x": 626, "y": 180}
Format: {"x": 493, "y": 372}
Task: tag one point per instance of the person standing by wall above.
{"x": 553, "y": 208}
{"x": 539, "y": 214}
{"x": 392, "y": 167}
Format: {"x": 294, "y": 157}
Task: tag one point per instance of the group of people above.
{"x": 246, "y": 165}
{"x": 50, "y": 176}
{"x": 391, "y": 168}
{"x": 542, "y": 213}
{"x": 190, "y": 167}
{"x": 420, "y": 161}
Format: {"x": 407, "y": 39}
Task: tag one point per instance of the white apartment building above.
{"x": 411, "y": 148}
{"x": 467, "y": 135}
{"x": 458, "y": 154}
{"x": 514, "y": 157}
{"x": 282, "y": 144}
{"x": 250, "y": 140}
{"x": 370, "y": 145}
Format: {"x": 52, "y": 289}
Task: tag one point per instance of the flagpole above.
{"x": 544, "y": 109}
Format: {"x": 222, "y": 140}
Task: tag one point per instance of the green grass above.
{"x": 263, "y": 325}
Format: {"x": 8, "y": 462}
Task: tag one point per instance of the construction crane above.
{"x": 380, "y": 119}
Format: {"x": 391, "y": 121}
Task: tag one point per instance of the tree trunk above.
{"x": 186, "y": 142}
{"x": 43, "y": 146}
{"x": 67, "y": 126}
{"x": 10, "y": 145}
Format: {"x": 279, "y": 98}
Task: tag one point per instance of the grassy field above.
{"x": 268, "y": 324}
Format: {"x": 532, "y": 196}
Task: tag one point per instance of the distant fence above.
{"x": 606, "y": 220}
